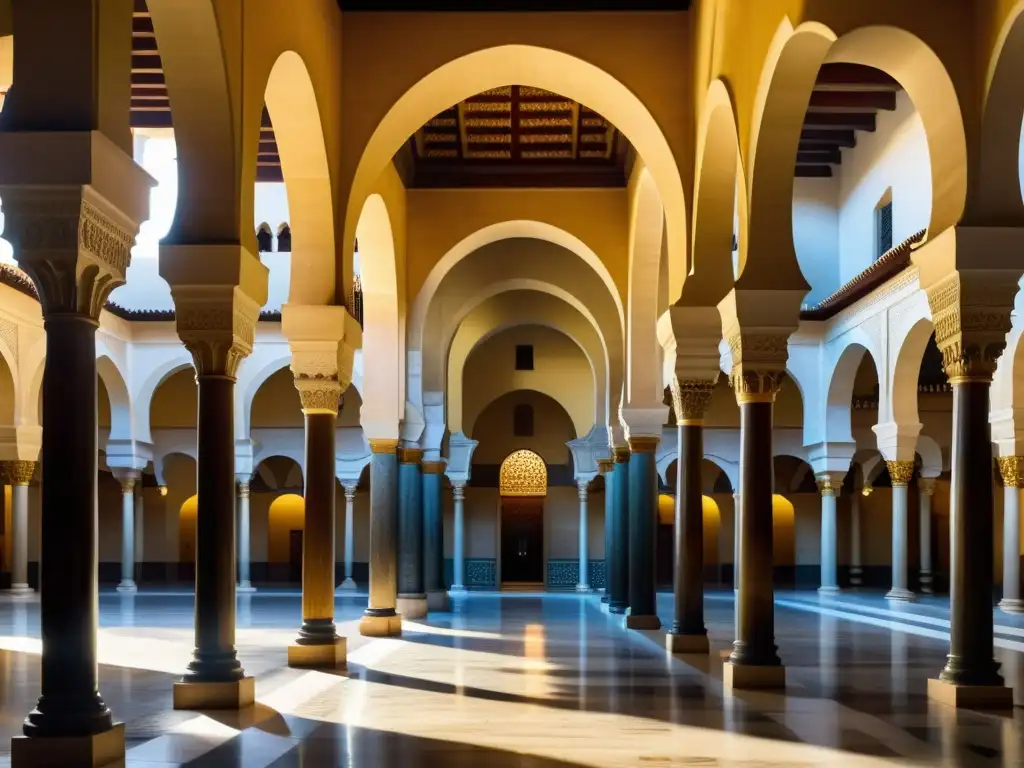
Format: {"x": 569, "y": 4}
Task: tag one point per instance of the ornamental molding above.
{"x": 75, "y": 252}
{"x": 895, "y": 291}
{"x": 319, "y": 394}
{"x": 523, "y": 473}
{"x": 971, "y": 315}
{"x": 691, "y": 399}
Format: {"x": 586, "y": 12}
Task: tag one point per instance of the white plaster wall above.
{"x": 816, "y": 234}
{"x": 895, "y": 155}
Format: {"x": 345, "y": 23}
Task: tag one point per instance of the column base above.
{"x": 381, "y": 626}
{"x": 584, "y": 588}
{"x": 687, "y": 643}
{"x": 457, "y": 589}
{"x": 641, "y": 621}
{"x": 925, "y": 580}
{"x": 325, "y": 656}
{"x": 438, "y": 602}
{"x": 970, "y": 696}
{"x": 235, "y": 695}
{"x": 856, "y": 576}
{"x": 127, "y": 587}
{"x": 753, "y": 677}
{"x": 1011, "y": 605}
{"x": 617, "y": 608}
{"x": 94, "y": 751}
{"x": 245, "y": 587}
{"x": 901, "y": 595}
{"x": 829, "y": 591}
{"x": 20, "y": 590}
{"x": 412, "y": 606}
{"x": 605, "y": 599}
{"x": 348, "y": 585}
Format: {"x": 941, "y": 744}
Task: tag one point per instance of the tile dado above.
{"x": 565, "y": 574}
{"x": 481, "y": 572}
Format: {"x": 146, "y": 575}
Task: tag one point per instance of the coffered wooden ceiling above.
{"x": 845, "y": 102}
{"x": 515, "y": 136}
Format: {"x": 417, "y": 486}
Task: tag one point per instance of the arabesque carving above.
{"x": 17, "y": 472}
{"x": 690, "y": 399}
{"x": 523, "y": 473}
{"x": 319, "y": 394}
{"x": 219, "y": 332}
{"x": 900, "y": 472}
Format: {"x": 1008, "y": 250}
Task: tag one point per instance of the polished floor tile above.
{"x": 545, "y": 681}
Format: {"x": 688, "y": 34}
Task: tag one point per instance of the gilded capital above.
{"x": 383, "y": 445}
{"x": 433, "y": 467}
{"x": 1012, "y": 470}
{"x": 825, "y": 486}
{"x": 756, "y": 386}
{"x": 18, "y": 472}
{"x": 690, "y": 399}
{"x": 127, "y": 484}
{"x": 319, "y": 394}
{"x": 926, "y": 485}
{"x": 643, "y": 444}
{"x": 74, "y": 245}
{"x": 971, "y": 314}
{"x": 604, "y": 466}
{"x": 620, "y": 453}
{"x": 900, "y": 472}
{"x": 410, "y": 455}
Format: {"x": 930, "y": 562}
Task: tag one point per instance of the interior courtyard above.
{"x": 511, "y": 387}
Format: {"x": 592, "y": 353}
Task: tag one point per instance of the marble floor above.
{"x": 537, "y": 681}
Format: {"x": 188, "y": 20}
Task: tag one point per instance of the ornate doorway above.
{"x": 523, "y": 482}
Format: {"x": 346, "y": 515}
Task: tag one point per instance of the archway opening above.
{"x": 523, "y": 486}
{"x": 286, "y": 522}
{"x": 187, "y": 531}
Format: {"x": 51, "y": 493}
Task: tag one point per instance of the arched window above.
{"x": 264, "y": 238}
{"x": 284, "y": 239}
{"x": 522, "y": 420}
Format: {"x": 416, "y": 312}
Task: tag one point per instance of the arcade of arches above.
{"x": 697, "y": 322}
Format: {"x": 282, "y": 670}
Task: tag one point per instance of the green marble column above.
{"x": 618, "y": 563}
{"x": 606, "y": 467}
{"x": 412, "y": 595}
{"x": 433, "y": 537}
{"x": 643, "y": 613}
{"x": 380, "y": 618}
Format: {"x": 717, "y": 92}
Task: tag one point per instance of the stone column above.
{"x": 925, "y": 490}
{"x": 349, "y": 584}
{"x": 381, "y": 619}
{"x": 583, "y": 585}
{"x": 606, "y": 467}
{"x": 737, "y": 525}
{"x": 128, "y": 480}
{"x": 459, "y": 542}
{"x": 75, "y": 245}
{"x": 618, "y": 571}
{"x": 19, "y": 474}
{"x": 971, "y": 314}
{"x": 318, "y": 644}
{"x": 244, "y": 533}
{"x": 643, "y": 609}
{"x": 216, "y": 312}
{"x": 856, "y": 571}
{"x": 690, "y": 400}
{"x": 433, "y": 537}
{"x": 412, "y": 594}
{"x": 900, "y": 473}
{"x": 829, "y": 486}
{"x": 1012, "y": 470}
{"x": 754, "y": 661}
{"x": 140, "y": 529}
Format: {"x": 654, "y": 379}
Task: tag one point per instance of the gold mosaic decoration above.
{"x": 545, "y": 122}
{"x": 495, "y": 154}
{"x": 546, "y": 106}
{"x": 489, "y": 122}
{"x": 487, "y": 106}
{"x": 505, "y": 90}
{"x": 543, "y": 138}
{"x": 438, "y": 152}
{"x": 546, "y": 154}
{"x": 523, "y": 473}
{"x": 491, "y": 138}
{"x": 442, "y": 122}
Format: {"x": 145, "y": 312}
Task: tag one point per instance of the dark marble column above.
{"x": 606, "y": 467}
{"x": 688, "y": 633}
{"x": 381, "y": 619}
{"x": 971, "y": 675}
{"x": 318, "y": 644}
{"x": 643, "y": 609}
{"x": 754, "y": 662}
{"x": 433, "y": 537}
{"x": 618, "y": 571}
{"x": 412, "y": 595}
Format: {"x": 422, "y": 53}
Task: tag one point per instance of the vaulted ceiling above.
{"x": 845, "y": 102}
{"x": 515, "y": 136}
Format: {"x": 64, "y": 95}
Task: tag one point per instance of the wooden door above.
{"x": 522, "y": 539}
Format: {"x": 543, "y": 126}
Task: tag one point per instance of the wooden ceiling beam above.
{"x": 147, "y": 62}
{"x": 823, "y": 156}
{"x": 853, "y": 101}
{"x": 146, "y": 79}
{"x": 837, "y": 138}
{"x": 813, "y": 171}
{"x": 853, "y": 121}
{"x": 854, "y": 77}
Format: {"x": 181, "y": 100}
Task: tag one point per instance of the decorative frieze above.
{"x": 900, "y": 472}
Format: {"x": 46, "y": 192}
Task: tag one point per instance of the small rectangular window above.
{"x": 522, "y": 420}
{"x": 524, "y": 357}
{"x": 883, "y": 225}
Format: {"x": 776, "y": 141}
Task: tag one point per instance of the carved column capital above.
{"x": 350, "y": 493}
{"x": 582, "y": 487}
{"x": 621, "y": 454}
{"x": 926, "y": 485}
{"x": 604, "y": 466}
{"x": 971, "y": 314}
{"x": 128, "y": 484}
{"x": 759, "y": 358}
{"x": 900, "y": 472}
{"x": 243, "y": 489}
{"x": 18, "y": 472}
{"x": 825, "y": 485}
{"x": 690, "y": 399}
{"x": 319, "y": 394}
{"x": 459, "y": 491}
{"x": 1012, "y": 470}
{"x": 74, "y": 245}
{"x": 217, "y": 326}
